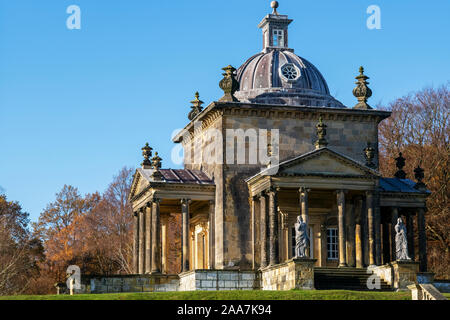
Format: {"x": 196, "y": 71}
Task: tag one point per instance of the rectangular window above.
{"x": 278, "y": 38}
{"x": 332, "y": 244}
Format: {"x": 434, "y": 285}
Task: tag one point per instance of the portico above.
{"x": 180, "y": 207}
{"x": 349, "y": 209}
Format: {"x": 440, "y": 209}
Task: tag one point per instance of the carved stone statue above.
{"x": 301, "y": 238}
{"x": 401, "y": 243}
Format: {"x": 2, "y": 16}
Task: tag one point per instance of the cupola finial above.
{"x": 274, "y": 5}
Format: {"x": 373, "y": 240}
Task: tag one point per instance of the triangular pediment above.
{"x": 324, "y": 162}
{"x": 140, "y": 182}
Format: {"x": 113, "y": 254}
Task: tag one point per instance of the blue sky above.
{"x": 77, "y": 105}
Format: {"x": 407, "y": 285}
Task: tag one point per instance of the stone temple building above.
{"x": 226, "y": 221}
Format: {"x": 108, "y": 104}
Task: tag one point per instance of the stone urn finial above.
{"x": 321, "y": 133}
{"x": 156, "y": 165}
{"x": 400, "y": 163}
{"x": 196, "y": 107}
{"x": 362, "y": 92}
{"x": 369, "y": 154}
{"x": 146, "y": 153}
{"x": 229, "y": 85}
{"x": 419, "y": 175}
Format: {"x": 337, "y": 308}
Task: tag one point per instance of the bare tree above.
{"x": 419, "y": 128}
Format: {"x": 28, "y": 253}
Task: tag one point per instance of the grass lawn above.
{"x": 231, "y": 295}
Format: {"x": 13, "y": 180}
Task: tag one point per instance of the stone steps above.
{"x": 344, "y": 279}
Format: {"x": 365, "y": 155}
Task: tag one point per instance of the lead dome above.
{"x": 278, "y": 76}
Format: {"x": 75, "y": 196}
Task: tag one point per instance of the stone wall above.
{"x": 293, "y": 274}
{"x": 213, "y": 280}
{"x": 129, "y": 283}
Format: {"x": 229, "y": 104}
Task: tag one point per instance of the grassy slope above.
{"x": 231, "y": 295}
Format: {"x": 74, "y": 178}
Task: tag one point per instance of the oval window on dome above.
{"x": 290, "y": 72}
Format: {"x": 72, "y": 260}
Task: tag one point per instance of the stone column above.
{"x": 263, "y": 227}
{"x": 350, "y": 240}
{"x": 274, "y": 254}
{"x": 253, "y": 229}
{"x": 185, "y": 234}
{"x": 422, "y": 239}
{"x": 386, "y": 244}
{"x": 323, "y": 243}
{"x": 410, "y": 235}
{"x": 141, "y": 241}
{"x": 156, "y": 237}
{"x": 164, "y": 222}
{"x": 359, "y": 252}
{"x": 211, "y": 235}
{"x": 148, "y": 238}
{"x": 370, "y": 227}
{"x": 136, "y": 243}
{"x": 394, "y": 217}
{"x": 341, "y": 226}
{"x": 377, "y": 225}
{"x": 303, "y": 192}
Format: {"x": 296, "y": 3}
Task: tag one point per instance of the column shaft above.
{"x": 341, "y": 226}
{"x": 136, "y": 243}
{"x": 351, "y": 241}
{"x": 141, "y": 241}
{"x": 386, "y": 243}
{"x": 253, "y": 230}
{"x": 377, "y": 225}
{"x": 304, "y": 206}
{"x": 410, "y": 235}
{"x": 156, "y": 237}
{"x": 359, "y": 240}
{"x": 273, "y": 217}
{"x": 371, "y": 228}
{"x": 148, "y": 238}
{"x": 185, "y": 234}
{"x": 211, "y": 234}
{"x": 263, "y": 213}
{"x": 422, "y": 240}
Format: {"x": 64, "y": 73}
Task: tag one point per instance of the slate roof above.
{"x": 398, "y": 185}
{"x": 180, "y": 176}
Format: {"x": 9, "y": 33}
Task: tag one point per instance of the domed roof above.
{"x": 278, "y": 76}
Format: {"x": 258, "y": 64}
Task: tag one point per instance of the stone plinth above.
{"x": 404, "y": 274}
{"x": 293, "y": 274}
{"x": 214, "y": 280}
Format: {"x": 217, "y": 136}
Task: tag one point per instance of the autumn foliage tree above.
{"x": 20, "y": 253}
{"x": 419, "y": 128}
{"x": 92, "y": 231}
